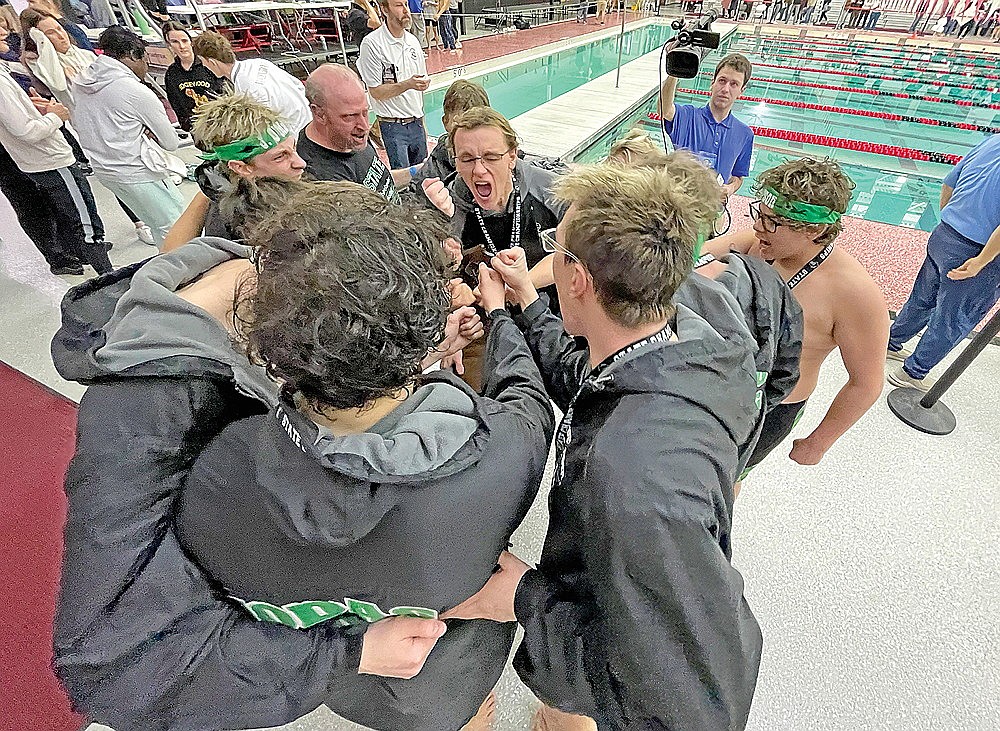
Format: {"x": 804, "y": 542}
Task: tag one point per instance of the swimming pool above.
{"x": 524, "y": 86}
{"x": 856, "y": 106}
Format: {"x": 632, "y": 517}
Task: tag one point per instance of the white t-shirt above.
{"x": 275, "y": 89}
{"x": 384, "y": 59}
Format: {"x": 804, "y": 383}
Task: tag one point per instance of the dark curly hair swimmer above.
{"x": 350, "y": 294}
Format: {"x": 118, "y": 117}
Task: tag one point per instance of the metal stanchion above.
{"x": 924, "y": 411}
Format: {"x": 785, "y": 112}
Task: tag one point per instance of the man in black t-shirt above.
{"x": 335, "y": 144}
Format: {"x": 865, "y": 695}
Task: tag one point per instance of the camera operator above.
{"x": 712, "y": 132}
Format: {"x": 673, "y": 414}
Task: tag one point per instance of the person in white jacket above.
{"x": 125, "y": 131}
{"x": 29, "y": 133}
{"x": 256, "y": 77}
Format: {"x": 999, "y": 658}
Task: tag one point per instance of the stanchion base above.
{"x": 905, "y": 403}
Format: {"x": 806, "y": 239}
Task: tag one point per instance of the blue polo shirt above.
{"x": 725, "y": 146}
{"x": 974, "y": 208}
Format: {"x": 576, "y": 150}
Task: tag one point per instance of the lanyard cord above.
{"x": 810, "y": 266}
{"x": 515, "y": 233}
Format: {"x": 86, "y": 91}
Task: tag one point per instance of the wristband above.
{"x": 413, "y": 171}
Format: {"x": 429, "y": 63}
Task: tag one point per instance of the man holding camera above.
{"x": 712, "y": 132}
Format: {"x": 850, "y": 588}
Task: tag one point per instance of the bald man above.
{"x": 335, "y": 144}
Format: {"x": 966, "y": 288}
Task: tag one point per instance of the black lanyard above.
{"x": 706, "y": 258}
{"x": 515, "y": 233}
{"x": 565, "y": 432}
{"x": 810, "y": 266}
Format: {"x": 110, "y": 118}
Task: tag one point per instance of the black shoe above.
{"x": 106, "y": 244}
{"x": 67, "y": 269}
{"x": 85, "y": 168}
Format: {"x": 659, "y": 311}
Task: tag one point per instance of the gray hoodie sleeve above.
{"x": 562, "y": 360}
{"x": 150, "y": 111}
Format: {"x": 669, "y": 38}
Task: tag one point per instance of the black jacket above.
{"x": 760, "y": 310}
{"x": 635, "y": 615}
{"x": 144, "y": 639}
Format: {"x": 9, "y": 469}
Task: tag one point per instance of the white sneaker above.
{"x": 900, "y": 355}
{"x": 458, "y": 44}
{"x": 145, "y": 234}
{"x": 899, "y": 377}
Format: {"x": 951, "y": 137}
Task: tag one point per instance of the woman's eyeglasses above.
{"x": 488, "y": 158}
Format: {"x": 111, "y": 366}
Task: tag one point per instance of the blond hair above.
{"x": 462, "y": 96}
{"x": 637, "y": 148}
{"x": 214, "y": 46}
{"x": 635, "y": 229}
{"x": 229, "y": 118}
{"x": 479, "y": 117}
{"x": 821, "y": 182}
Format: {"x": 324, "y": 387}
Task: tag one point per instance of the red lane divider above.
{"x": 888, "y": 46}
{"x": 895, "y": 67}
{"x": 833, "y": 72}
{"x": 858, "y": 112}
{"x": 875, "y": 92}
{"x": 840, "y": 143}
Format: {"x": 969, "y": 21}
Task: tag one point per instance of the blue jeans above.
{"x": 873, "y": 19}
{"x": 447, "y": 29}
{"x": 405, "y": 144}
{"x": 949, "y": 309}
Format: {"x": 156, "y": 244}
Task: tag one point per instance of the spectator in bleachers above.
{"x": 257, "y": 77}
{"x": 55, "y": 9}
{"x": 243, "y": 141}
{"x": 188, "y": 82}
{"x": 391, "y": 62}
{"x": 115, "y": 116}
{"x": 60, "y": 223}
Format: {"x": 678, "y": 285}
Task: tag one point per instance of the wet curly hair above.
{"x": 349, "y": 295}
{"x": 821, "y": 182}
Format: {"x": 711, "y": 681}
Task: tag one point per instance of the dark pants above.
{"x": 949, "y": 309}
{"x": 78, "y": 227}
{"x": 405, "y": 144}
{"x": 446, "y": 25}
{"x": 32, "y": 211}
{"x": 966, "y": 28}
{"x": 916, "y": 21}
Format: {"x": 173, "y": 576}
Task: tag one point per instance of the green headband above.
{"x": 249, "y": 147}
{"x": 797, "y": 210}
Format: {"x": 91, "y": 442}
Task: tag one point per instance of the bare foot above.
{"x": 483, "y": 720}
{"x": 550, "y": 719}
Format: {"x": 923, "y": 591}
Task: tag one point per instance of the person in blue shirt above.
{"x": 712, "y": 132}
{"x": 960, "y": 278}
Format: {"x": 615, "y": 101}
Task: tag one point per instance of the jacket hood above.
{"x": 430, "y": 434}
{"x": 102, "y": 73}
{"x": 130, "y": 323}
{"x": 439, "y": 431}
{"x": 710, "y": 364}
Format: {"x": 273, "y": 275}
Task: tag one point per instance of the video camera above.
{"x": 693, "y": 40}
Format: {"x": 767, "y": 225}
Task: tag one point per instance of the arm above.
{"x": 733, "y": 185}
{"x": 30, "y": 127}
{"x": 47, "y": 67}
{"x": 190, "y": 225}
{"x": 741, "y": 241}
{"x": 150, "y": 112}
{"x": 401, "y": 177}
{"x": 665, "y": 107}
{"x": 388, "y": 91}
{"x": 862, "y": 334}
{"x": 946, "y": 191}
{"x": 373, "y": 20}
{"x": 511, "y": 377}
{"x": 541, "y": 274}
{"x": 972, "y": 267}
{"x": 563, "y": 360}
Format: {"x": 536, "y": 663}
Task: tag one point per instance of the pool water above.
{"x": 894, "y": 190}
{"x": 524, "y": 86}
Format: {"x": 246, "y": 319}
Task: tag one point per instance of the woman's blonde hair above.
{"x": 482, "y": 117}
